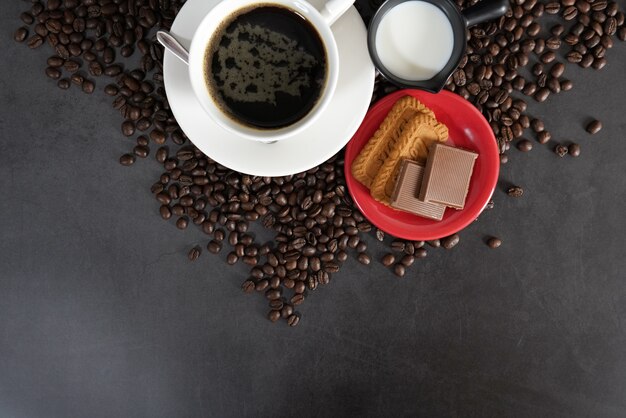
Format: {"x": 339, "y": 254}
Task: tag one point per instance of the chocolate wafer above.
{"x": 407, "y": 188}
{"x": 447, "y": 176}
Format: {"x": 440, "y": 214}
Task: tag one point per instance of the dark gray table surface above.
{"x": 102, "y": 315}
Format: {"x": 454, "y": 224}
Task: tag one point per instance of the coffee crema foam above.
{"x": 256, "y": 63}
{"x": 265, "y": 67}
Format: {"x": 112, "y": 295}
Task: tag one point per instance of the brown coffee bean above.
{"x": 194, "y": 253}
{"x": 515, "y": 191}
{"x": 297, "y": 299}
{"x": 127, "y": 159}
{"x": 570, "y": 13}
{"x": 552, "y": 7}
{"x": 566, "y": 85}
{"x": 88, "y": 86}
{"x": 35, "y": 41}
{"x": 399, "y": 270}
{"x": 364, "y": 258}
{"x": 594, "y": 127}
{"x": 524, "y": 145}
{"x": 64, "y": 84}
{"x": 273, "y": 315}
{"x": 21, "y": 34}
{"x": 407, "y": 260}
{"x": 544, "y": 137}
{"x": 561, "y": 150}
{"x": 435, "y": 243}
{"x": 548, "y": 57}
{"x": 573, "y": 149}
{"x": 574, "y": 57}
{"x": 494, "y": 242}
{"x": 53, "y": 73}
{"x": 450, "y": 241}
{"x": 557, "y": 70}
{"x": 293, "y": 320}
{"x": 128, "y": 128}
{"x": 599, "y": 63}
{"x": 542, "y": 94}
{"x": 388, "y": 260}
{"x": 586, "y": 61}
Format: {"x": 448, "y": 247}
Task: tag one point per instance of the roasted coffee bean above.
{"x": 293, "y": 320}
{"x": 407, "y": 260}
{"x": 388, "y": 260}
{"x": 364, "y": 258}
{"x": 127, "y": 159}
{"x": 450, "y": 241}
{"x": 515, "y": 191}
{"x": 542, "y": 94}
{"x": 128, "y": 128}
{"x": 182, "y": 222}
{"x": 35, "y": 41}
{"x": 594, "y": 127}
{"x": 399, "y": 270}
{"x": 570, "y": 13}
{"x": 64, "y": 84}
{"x": 21, "y": 34}
{"x": 194, "y": 253}
{"x": 586, "y": 61}
{"x": 53, "y": 73}
{"x": 573, "y": 150}
{"x": 566, "y": 85}
{"x": 71, "y": 66}
{"x": 543, "y": 137}
{"x": 214, "y": 247}
{"x": 524, "y": 145}
{"x": 557, "y": 70}
{"x": 494, "y": 242}
{"x": 88, "y": 86}
{"x": 561, "y": 150}
{"x": 273, "y": 315}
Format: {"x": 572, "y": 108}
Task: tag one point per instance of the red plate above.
{"x": 467, "y": 129}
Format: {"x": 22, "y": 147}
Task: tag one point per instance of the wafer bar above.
{"x": 407, "y": 188}
{"x": 447, "y": 175}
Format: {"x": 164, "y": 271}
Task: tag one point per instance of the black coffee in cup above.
{"x": 266, "y": 66}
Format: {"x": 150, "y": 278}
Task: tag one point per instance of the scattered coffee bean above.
{"x": 388, "y": 260}
{"x": 127, "y": 159}
{"x": 399, "y": 270}
{"x": 573, "y": 150}
{"x": 194, "y": 253}
{"x": 273, "y": 315}
{"x": 594, "y": 127}
{"x": 293, "y": 320}
{"x": 515, "y": 191}
{"x": 64, "y": 84}
{"x": 450, "y": 241}
{"x": 524, "y": 145}
{"x": 494, "y": 242}
{"x": 21, "y": 34}
{"x": 364, "y": 258}
{"x": 561, "y": 150}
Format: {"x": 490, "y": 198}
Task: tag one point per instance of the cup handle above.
{"x": 334, "y": 9}
{"x": 485, "y": 10}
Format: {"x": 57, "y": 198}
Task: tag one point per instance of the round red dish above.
{"x": 467, "y": 129}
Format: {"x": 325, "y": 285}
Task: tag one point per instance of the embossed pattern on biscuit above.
{"x": 366, "y": 165}
{"x": 407, "y": 146}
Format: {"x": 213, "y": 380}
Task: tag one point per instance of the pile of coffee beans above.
{"x": 316, "y": 227}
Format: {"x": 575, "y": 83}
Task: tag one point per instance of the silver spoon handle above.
{"x": 172, "y": 45}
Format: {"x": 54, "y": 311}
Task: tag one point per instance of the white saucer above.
{"x": 332, "y": 130}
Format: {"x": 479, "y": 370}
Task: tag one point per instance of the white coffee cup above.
{"x": 213, "y": 21}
